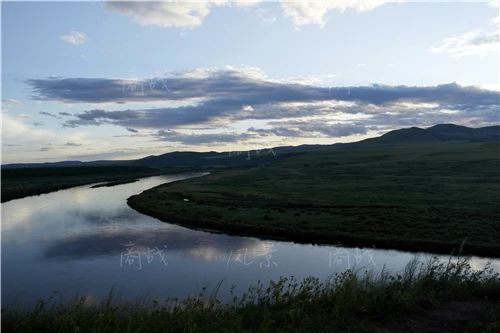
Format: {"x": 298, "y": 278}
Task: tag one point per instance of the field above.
{"x": 422, "y": 197}
{"x": 429, "y": 297}
{"x": 18, "y": 183}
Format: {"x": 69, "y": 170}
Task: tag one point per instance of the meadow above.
{"x": 421, "y": 197}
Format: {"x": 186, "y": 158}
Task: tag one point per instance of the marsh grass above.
{"x": 349, "y": 301}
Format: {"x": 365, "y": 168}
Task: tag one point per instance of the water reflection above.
{"x": 86, "y": 241}
{"x": 99, "y": 217}
{"x": 184, "y": 241}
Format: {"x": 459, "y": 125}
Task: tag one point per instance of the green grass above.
{"x": 424, "y": 197}
{"x": 444, "y": 297}
{"x": 18, "y": 183}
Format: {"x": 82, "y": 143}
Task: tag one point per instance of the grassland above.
{"x": 432, "y": 297}
{"x": 422, "y": 197}
{"x": 18, "y": 183}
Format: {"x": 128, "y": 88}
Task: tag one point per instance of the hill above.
{"x": 437, "y": 133}
{"x": 428, "y": 196}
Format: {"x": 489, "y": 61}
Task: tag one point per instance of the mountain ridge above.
{"x": 433, "y": 134}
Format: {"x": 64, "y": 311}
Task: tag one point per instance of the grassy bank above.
{"x": 19, "y": 183}
{"x": 429, "y": 297}
{"x": 115, "y": 183}
{"x": 423, "y": 197}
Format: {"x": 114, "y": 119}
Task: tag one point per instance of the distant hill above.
{"x": 224, "y": 159}
{"x": 205, "y": 159}
{"x": 437, "y": 133}
{"x": 62, "y": 164}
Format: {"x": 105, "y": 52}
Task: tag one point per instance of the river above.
{"x": 83, "y": 241}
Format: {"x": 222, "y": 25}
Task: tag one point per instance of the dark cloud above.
{"x": 277, "y": 131}
{"x": 48, "y": 114}
{"x": 223, "y": 96}
{"x": 239, "y": 88}
{"x": 194, "y": 139}
{"x": 313, "y": 128}
{"x": 64, "y": 114}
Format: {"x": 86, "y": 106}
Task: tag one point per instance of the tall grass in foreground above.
{"x": 347, "y": 302}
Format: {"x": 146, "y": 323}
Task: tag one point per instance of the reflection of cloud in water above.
{"x": 477, "y": 263}
{"x": 197, "y": 244}
{"x": 16, "y": 216}
{"x": 81, "y": 195}
{"x": 250, "y": 249}
{"x": 26, "y": 213}
{"x": 98, "y": 217}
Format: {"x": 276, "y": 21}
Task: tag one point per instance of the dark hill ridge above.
{"x": 405, "y": 135}
{"x": 437, "y": 133}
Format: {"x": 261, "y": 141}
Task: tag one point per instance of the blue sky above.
{"x": 91, "y": 80}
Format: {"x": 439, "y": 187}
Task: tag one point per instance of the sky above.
{"x": 121, "y": 80}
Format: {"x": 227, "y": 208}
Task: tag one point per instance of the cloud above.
{"x": 165, "y": 14}
{"x": 219, "y": 98}
{"x": 227, "y": 89}
{"x": 16, "y": 130}
{"x": 247, "y": 108}
{"x": 74, "y": 37}
{"x": 162, "y": 13}
{"x": 48, "y": 114}
{"x": 312, "y": 128}
{"x": 191, "y": 14}
{"x": 315, "y": 12}
{"x": 8, "y": 103}
{"x": 202, "y": 138}
{"x": 482, "y": 41}
{"x": 98, "y": 90}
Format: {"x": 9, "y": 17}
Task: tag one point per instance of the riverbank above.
{"x": 24, "y": 182}
{"x": 431, "y": 297}
{"x": 115, "y": 183}
{"x": 431, "y": 198}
